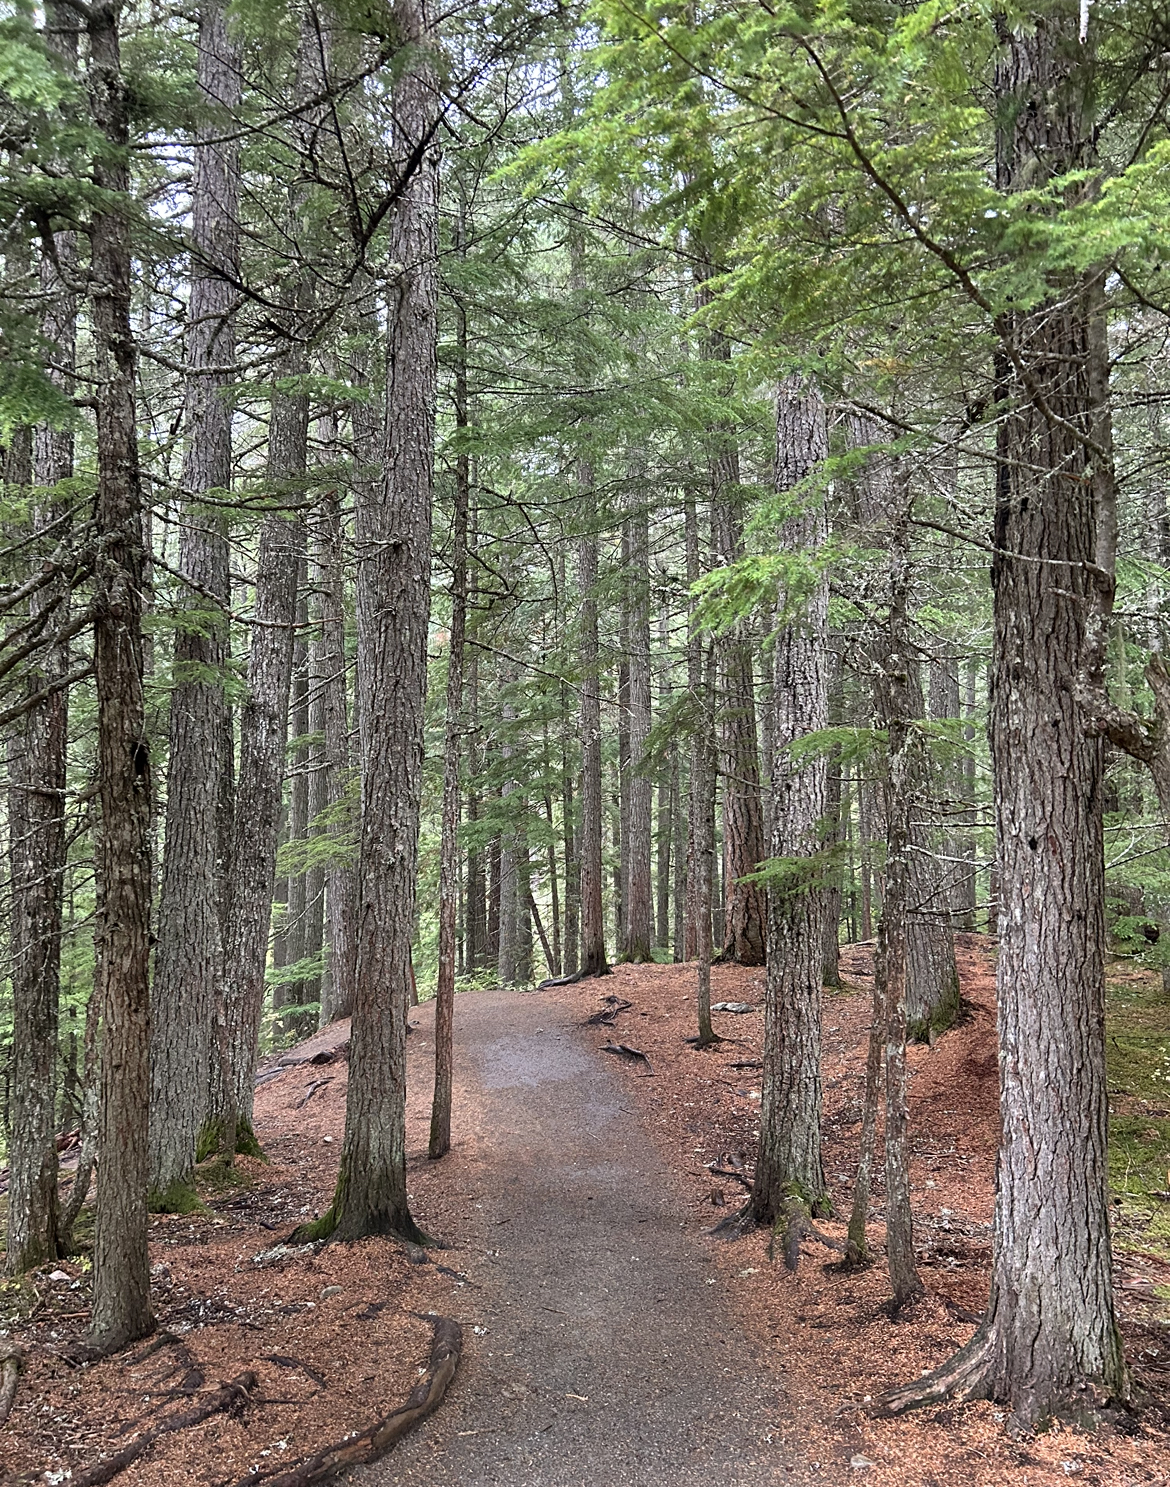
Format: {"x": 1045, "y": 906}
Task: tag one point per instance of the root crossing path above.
{"x": 599, "y": 1349}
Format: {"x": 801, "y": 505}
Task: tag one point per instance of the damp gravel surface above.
{"x": 599, "y": 1351}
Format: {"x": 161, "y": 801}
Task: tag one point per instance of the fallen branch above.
{"x": 372, "y": 1444}
{"x": 312, "y": 1090}
{"x": 608, "y": 1014}
{"x": 230, "y": 1397}
{"x": 11, "y": 1362}
{"x": 623, "y": 1050}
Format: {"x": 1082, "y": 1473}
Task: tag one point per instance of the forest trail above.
{"x": 609, "y": 1355}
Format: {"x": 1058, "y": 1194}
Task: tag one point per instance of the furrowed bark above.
{"x": 440, "y": 1136}
{"x": 789, "y": 1166}
{"x": 638, "y": 938}
{"x": 1049, "y": 1344}
{"x": 188, "y": 960}
{"x": 36, "y": 824}
{"x": 393, "y": 607}
{"x": 121, "y": 1286}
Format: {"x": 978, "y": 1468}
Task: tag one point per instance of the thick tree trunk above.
{"x": 36, "y": 819}
{"x": 638, "y": 936}
{"x": 393, "y": 606}
{"x": 1049, "y": 1344}
{"x": 789, "y": 1170}
{"x": 121, "y": 1261}
{"x": 188, "y": 961}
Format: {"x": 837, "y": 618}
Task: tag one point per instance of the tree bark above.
{"x": 440, "y": 1137}
{"x": 263, "y": 730}
{"x": 36, "y": 823}
{"x": 340, "y": 879}
{"x": 1049, "y": 1344}
{"x": 638, "y": 936}
{"x": 121, "y": 1262}
{"x": 188, "y": 960}
{"x": 789, "y": 1172}
{"x": 393, "y": 608}
{"x": 903, "y": 774}
{"x": 593, "y": 957}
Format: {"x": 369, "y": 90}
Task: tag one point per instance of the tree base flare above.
{"x": 964, "y": 1377}
{"x": 372, "y": 1444}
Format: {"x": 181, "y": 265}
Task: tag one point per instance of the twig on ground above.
{"x": 312, "y": 1090}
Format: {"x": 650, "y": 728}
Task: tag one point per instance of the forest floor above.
{"x": 609, "y": 1339}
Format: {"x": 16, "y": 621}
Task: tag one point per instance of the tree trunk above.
{"x": 790, "y": 1177}
{"x": 121, "y": 1261}
{"x": 188, "y": 961}
{"x": 36, "y": 824}
{"x": 393, "y": 607}
{"x": 287, "y": 994}
{"x": 697, "y": 702}
{"x": 704, "y": 771}
{"x": 593, "y": 956}
{"x": 903, "y": 775}
{"x": 340, "y": 879}
{"x": 263, "y": 730}
{"x": 1049, "y": 1344}
{"x": 932, "y": 986}
{"x": 638, "y": 937}
{"x": 440, "y": 1137}
{"x": 744, "y": 910}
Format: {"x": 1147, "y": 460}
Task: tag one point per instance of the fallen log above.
{"x": 11, "y": 1362}
{"x": 373, "y": 1443}
{"x": 227, "y": 1397}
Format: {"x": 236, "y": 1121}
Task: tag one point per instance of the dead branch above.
{"x": 372, "y": 1444}
{"x": 229, "y": 1397}
{"x": 609, "y": 1013}
{"x": 312, "y": 1089}
{"x": 11, "y": 1362}
{"x": 623, "y": 1050}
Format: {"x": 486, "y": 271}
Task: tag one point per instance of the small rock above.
{"x": 331, "y": 1291}
{"x": 58, "y": 1275}
{"x": 1069, "y": 1467}
{"x": 861, "y": 1463}
{"x": 328, "y": 1140}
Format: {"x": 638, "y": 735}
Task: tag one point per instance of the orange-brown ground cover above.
{"x": 332, "y": 1335}
{"x": 335, "y": 1341}
{"x": 829, "y": 1333}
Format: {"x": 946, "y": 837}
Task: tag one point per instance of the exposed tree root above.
{"x": 11, "y": 1362}
{"x": 372, "y": 1444}
{"x": 230, "y": 1397}
{"x": 569, "y": 980}
{"x": 963, "y": 1377}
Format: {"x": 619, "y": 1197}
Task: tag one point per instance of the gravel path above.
{"x": 607, "y": 1356}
